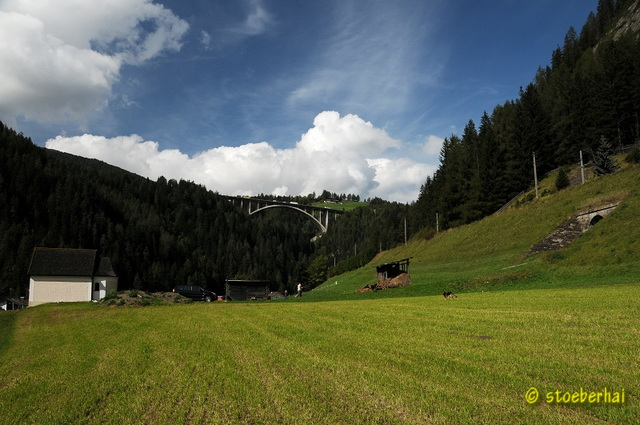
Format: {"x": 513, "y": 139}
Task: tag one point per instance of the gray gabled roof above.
{"x": 68, "y": 262}
{"x": 105, "y": 268}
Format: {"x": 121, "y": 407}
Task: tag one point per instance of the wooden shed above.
{"x": 242, "y": 290}
{"x": 12, "y": 304}
{"x": 394, "y": 274}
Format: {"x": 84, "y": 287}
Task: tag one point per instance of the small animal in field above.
{"x": 449, "y": 295}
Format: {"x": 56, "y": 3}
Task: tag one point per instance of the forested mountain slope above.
{"x": 157, "y": 234}
{"x": 163, "y": 233}
{"x": 589, "y": 94}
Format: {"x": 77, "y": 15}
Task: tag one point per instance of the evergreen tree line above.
{"x": 157, "y": 234}
{"x": 588, "y": 95}
{"x": 163, "y": 233}
{"x": 310, "y": 198}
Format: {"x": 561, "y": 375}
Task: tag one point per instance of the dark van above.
{"x": 196, "y": 293}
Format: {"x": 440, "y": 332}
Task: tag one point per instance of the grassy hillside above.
{"x": 490, "y": 254}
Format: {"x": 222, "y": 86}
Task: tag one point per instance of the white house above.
{"x": 69, "y": 275}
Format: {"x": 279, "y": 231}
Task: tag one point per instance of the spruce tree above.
{"x": 603, "y": 160}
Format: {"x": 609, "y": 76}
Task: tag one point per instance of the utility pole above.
{"x": 535, "y": 174}
{"x": 581, "y": 167}
{"x": 437, "y": 224}
{"x": 405, "y": 231}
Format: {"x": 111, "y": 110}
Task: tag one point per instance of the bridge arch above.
{"x": 591, "y": 218}
{"x": 595, "y": 220}
{"x": 318, "y": 223}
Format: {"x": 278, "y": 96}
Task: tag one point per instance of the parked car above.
{"x": 195, "y": 293}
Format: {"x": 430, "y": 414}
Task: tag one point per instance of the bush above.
{"x": 633, "y": 157}
{"x": 562, "y": 180}
{"x": 428, "y": 234}
{"x": 112, "y": 295}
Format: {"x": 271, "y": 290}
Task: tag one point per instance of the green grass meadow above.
{"x": 391, "y": 361}
{"x": 563, "y": 322}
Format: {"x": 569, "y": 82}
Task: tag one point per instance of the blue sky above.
{"x": 257, "y": 96}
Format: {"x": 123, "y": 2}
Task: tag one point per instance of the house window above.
{"x": 96, "y": 286}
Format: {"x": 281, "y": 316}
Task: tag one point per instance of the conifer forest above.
{"x": 162, "y": 233}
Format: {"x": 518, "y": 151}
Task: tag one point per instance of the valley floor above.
{"x": 474, "y": 359}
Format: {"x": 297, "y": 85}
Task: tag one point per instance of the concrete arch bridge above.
{"x": 321, "y": 216}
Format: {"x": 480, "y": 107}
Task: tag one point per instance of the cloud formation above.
{"x": 257, "y": 21}
{"x": 433, "y": 145}
{"x": 370, "y": 59}
{"x": 341, "y": 154}
{"x": 55, "y": 66}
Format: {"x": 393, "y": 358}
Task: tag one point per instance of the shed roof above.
{"x": 393, "y": 264}
{"x": 68, "y": 262}
{"x": 15, "y": 301}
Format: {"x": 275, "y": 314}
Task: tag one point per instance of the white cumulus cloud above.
{"x": 59, "y": 60}
{"x": 433, "y": 145}
{"x": 399, "y": 179}
{"x": 342, "y": 154}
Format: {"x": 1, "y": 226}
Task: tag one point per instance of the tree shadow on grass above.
{"x": 7, "y": 325}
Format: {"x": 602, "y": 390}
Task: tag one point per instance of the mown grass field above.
{"x": 565, "y": 321}
{"x": 394, "y": 361}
